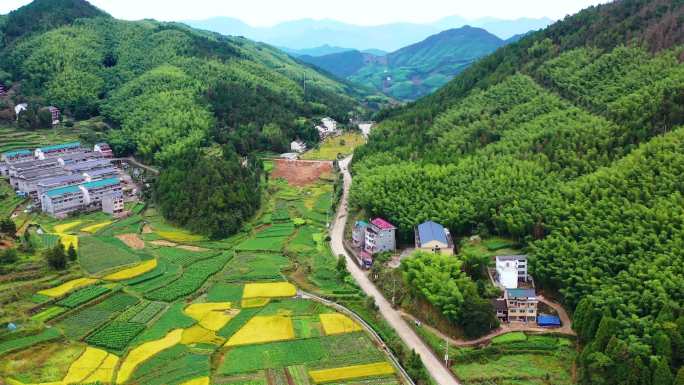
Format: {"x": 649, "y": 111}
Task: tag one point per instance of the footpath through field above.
{"x": 432, "y": 363}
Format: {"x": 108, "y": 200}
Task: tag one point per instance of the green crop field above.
{"x": 329, "y": 351}
{"x": 123, "y": 316}
{"x": 193, "y": 278}
{"x": 100, "y": 253}
{"x": 116, "y": 335}
{"x": 225, "y": 292}
{"x": 255, "y": 266}
{"x": 81, "y": 323}
{"x": 82, "y": 296}
{"x": 24, "y": 342}
{"x": 533, "y": 359}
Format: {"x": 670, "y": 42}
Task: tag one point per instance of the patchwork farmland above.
{"x": 148, "y": 303}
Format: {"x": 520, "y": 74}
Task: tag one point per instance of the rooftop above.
{"x": 431, "y": 231}
{"x": 521, "y": 293}
{"x": 101, "y": 183}
{"x": 511, "y": 257}
{"x": 102, "y": 171}
{"x": 62, "y": 146}
{"x": 62, "y": 190}
{"x": 382, "y": 224}
{"x": 361, "y": 224}
{"x": 88, "y": 165}
{"x": 61, "y": 179}
{"x": 548, "y": 320}
{"x": 10, "y": 154}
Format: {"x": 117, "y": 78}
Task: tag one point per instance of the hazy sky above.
{"x": 367, "y": 12}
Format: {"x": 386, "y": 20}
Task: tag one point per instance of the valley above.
{"x": 467, "y": 201}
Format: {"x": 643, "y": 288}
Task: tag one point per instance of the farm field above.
{"x": 148, "y": 303}
{"x": 517, "y": 358}
{"x": 331, "y": 147}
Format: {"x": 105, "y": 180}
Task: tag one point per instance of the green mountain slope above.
{"x": 568, "y": 140}
{"x": 169, "y": 91}
{"x": 415, "y": 70}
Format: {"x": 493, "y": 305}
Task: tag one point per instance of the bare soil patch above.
{"x": 147, "y": 229}
{"x": 300, "y": 172}
{"x": 161, "y": 242}
{"x": 192, "y": 248}
{"x": 132, "y": 241}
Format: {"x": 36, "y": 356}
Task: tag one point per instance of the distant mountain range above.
{"x": 307, "y": 33}
{"x": 328, "y": 50}
{"x": 415, "y": 70}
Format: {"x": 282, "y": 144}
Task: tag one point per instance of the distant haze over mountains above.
{"x": 309, "y": 33}
{"x": 414, "y": 70}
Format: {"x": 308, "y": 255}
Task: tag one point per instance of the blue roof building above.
{"x": 433, "y": 237}
{"x": 548, "y": 321}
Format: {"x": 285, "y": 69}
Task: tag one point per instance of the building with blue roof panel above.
{"x": 548, "y": 321}
{"x": 435, "y": 238}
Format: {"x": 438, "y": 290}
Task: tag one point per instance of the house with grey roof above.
{"x": 521, "y": 304}
{"x": 432, "y": 237}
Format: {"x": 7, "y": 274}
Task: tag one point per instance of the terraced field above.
{"x": 175, "y": 308}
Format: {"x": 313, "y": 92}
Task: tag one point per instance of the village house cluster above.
{"x": 66, "y": 178}
{"x": 327, "y": 128}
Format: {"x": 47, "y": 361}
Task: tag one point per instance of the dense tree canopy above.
{"x": 570, "y": 141}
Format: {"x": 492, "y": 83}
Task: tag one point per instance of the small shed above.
{"x": 548, "y": 321}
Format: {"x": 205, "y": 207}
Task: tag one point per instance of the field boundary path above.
{"x": 365, "y": 325}
{"x": 434, "y": 366}
{"x": 134, "y": 162}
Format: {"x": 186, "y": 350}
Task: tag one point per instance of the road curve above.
{"x": 433, "y": 365}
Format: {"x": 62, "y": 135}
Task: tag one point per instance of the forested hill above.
{"x": 170, "y": 93}
{"x": 569, "y": 140}
{"x": 415, "y": 70}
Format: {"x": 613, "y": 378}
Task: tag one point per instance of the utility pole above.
{"x": 394, "y": 288}
{"x": 446, "y": 354}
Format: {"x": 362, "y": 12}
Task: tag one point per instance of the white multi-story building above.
{"x": 511, "y": 269}
{"x": 88, "y": 196}
{"x": 327, "y": 128}
{"x": 298, "y": 146}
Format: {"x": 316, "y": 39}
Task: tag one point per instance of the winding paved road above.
{"x": 433, "y": 365}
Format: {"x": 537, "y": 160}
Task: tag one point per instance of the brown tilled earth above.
{"x": 132, "y": 241}
{"x": 300, "y": 172}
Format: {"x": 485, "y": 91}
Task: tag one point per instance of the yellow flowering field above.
{"x": 84, "y": 365}
{"x": 64, "y": 227}
{"x": 254, "y": 302}
{"x": 145, "y": 351}
{"x": 68, "y": 240}
{"x": 94, "y": 228}
{"x": 262, "y": 329}
{"x": 66, "y": 287}
{"x": 210, "y": 315}
{"x": 269, "y": 290}
{"x": 180, "y": 236}
{"x": 132, "y": 271}
{"x": 105, "y": 372}
{"x": 350, "y": 372}
{"x": 335, "y": 323}
{"x": 197, "y": 334}
{"x": 197, "y": 381}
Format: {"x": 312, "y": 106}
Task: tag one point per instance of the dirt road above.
{"x": 436, "y": 369}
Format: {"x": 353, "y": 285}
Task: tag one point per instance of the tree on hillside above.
{"x": 8, "y": 256}
{"x": 8, "y": 227}
{"x": 71, "y": 253}
{"x": 56, "y": 257}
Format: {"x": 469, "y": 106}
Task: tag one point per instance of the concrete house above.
{"x": 19, "y": 108}
{"x": 57, "y": 150}
{"x": 56, "y": 115}
{"x": 379, "y": 237}
{"x": 522, "y": 304}
{"x": 16, "y": 156}
{"x": 435, "y": 238}
{"x": 511, "y": 270}
{"x": 327, "y": 128}
{"x": 89, "y": 196}
{"x": 298, "y": 146}
{"x": 104, "y": 150}
{"x": 359, "y": 233}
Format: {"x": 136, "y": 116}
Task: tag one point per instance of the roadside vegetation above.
{"x": 569, "y": 143}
